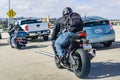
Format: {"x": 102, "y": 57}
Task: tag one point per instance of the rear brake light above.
{"x": 26, "y": 28}
{"x": 111, "y": 26}
{"x": 83, "y": 34}
{"x": 48, "y": 25}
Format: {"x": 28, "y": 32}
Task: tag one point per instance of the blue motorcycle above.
{"x": 18, "y": 39}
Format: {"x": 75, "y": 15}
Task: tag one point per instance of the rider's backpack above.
{"x": 74, "y": 23}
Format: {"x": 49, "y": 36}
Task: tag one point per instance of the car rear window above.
{"x": 96, "y": 23}
{"x": 29, "y": 22}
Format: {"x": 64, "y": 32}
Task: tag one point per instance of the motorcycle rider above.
{"x": 12, "y": 28}
{"x": 64, "y": 36}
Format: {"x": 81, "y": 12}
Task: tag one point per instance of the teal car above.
{"x": 99, "y": 30}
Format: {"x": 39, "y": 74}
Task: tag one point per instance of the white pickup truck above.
{"x": 35, "y": 28}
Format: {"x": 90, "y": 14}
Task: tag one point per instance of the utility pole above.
{"x": 9, "y": 18}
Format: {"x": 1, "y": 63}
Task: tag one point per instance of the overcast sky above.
{"x": 42, "y": 8}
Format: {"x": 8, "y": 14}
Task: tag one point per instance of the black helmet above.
{"x": 67, "y": 11}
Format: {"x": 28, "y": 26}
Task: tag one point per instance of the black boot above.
{"x": 61, "y": 58}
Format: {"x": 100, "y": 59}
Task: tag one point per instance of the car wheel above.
{"x": 45, "y": 38}
{"x": 34, "y": 37}
{"x": 107, "y": 44}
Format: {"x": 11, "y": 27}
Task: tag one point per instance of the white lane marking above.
{"x": 45, "y": 53}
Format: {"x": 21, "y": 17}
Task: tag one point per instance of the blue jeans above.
{"x": 10, "y": 36}
{"x": 62, "y": 41}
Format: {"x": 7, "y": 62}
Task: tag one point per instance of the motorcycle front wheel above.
{"x": 57, "y": 62}
{"x": 19, "y": 46}
{"x": 82, "y": 63}
{"x": 11, "y": 43}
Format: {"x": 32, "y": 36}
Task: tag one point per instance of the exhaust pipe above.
{"x": 92, "y": 53}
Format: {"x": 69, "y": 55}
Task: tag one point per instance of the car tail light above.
{"x": 26, "y": 28}
{"x": 83, "y": 34}
{"x": 111, "y": 26}
{"x": 48, "y": 25}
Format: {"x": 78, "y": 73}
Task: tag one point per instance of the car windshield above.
{"x": 92, "y": 18}
{"x": 96, "y": 23}
{"x": 29, "y": 22}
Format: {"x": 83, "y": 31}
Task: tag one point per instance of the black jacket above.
{"x": 61, "y": 23}
{"x": 13, "y": 28}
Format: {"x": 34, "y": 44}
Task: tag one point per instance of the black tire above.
{"x": 34, "y": 37}
{"x": 0, "y": 36}
{"x": 82, "y": 66}
{"x": 11, "y": 44}
{"x": 57, "y": 62}
{"x": 19, "y": 46}
{"x": 107, "y": 44}
{"x": 45, "y": 38}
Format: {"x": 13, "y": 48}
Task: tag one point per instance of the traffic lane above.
{"x": 104, "y": 55}
{"x": 105, "y": 70}
{"x": 106, "y": 64}
{"x": 26, "y": 64}
{"x": 30, "y": 65}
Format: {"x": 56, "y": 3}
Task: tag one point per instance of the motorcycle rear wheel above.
{"x": 82, "y": 63}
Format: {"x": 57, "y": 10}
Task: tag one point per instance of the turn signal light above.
{"x": 83, "y": 34}
{"x": 26, "y": 28}
{"x": 48, "y": 25}
{"x": 111, "y": 26}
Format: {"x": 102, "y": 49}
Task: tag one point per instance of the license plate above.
{"x": 45, "y": 32}
{"x": 87, "y": 46}
{"x": 38, "y": 32}
{"x": 32, "y": 34}
{"x": 20, "y": 41}
{"x": 98, "y": 30}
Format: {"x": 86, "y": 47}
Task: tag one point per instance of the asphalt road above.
{"x": 34, "y": 63}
